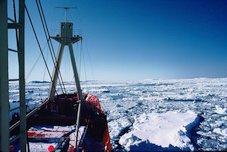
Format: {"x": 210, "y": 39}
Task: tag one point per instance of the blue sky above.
{"x": 138, "y": 39}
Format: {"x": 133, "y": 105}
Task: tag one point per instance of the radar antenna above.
{"x": 66, "y": 10}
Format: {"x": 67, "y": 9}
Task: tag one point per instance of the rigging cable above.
{"x": 44, "y": 73}
{"x": 34, "y": 64}
{"x": 83, "y": 61}
{"x": 33, "y": 67}
{"x": 37, "y": 40}
{"x": 48, "y": 37}
{"x": 85, "y": 73}
{"x": 50, "y": 45}
{"x": 15, "y": 20}
{"x": 78, "y": 47}
{"x": 82, "y": 58}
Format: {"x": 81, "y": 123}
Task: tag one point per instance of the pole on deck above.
{"x": 79, "y": 91}
{"x": 4, "y": 94}
{"x": 21, "y": 61}
{"x": 56, "y": 72}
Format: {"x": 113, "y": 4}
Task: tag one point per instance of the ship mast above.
{"x": 66, "y": 38}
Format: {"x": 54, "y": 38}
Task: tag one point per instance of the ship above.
{"x": 62, "y": 122}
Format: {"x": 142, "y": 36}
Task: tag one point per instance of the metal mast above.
{"x": 4, "y": 78}
{"x": 66, "y": 38}
{"x": 21, "y": 61}
{"x": 4, "y": 94}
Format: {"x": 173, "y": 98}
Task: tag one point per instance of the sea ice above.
{"x": 162, "y": 129}
{"x": 220, "y": 110}
{"x": 128, "y": 103}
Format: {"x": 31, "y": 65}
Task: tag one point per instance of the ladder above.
{"x": 6, "y": 24}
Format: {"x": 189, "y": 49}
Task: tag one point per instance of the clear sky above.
{"x": 138, "y": 39}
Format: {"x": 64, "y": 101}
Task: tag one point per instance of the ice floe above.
{"x": 162, "y": 129}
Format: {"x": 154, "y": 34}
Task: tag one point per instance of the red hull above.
{"x": 61, "y": 112}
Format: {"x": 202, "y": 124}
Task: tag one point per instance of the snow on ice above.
{"x": 162, "y": 129}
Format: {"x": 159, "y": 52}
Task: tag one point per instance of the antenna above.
{"x": 66, "y": 9}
